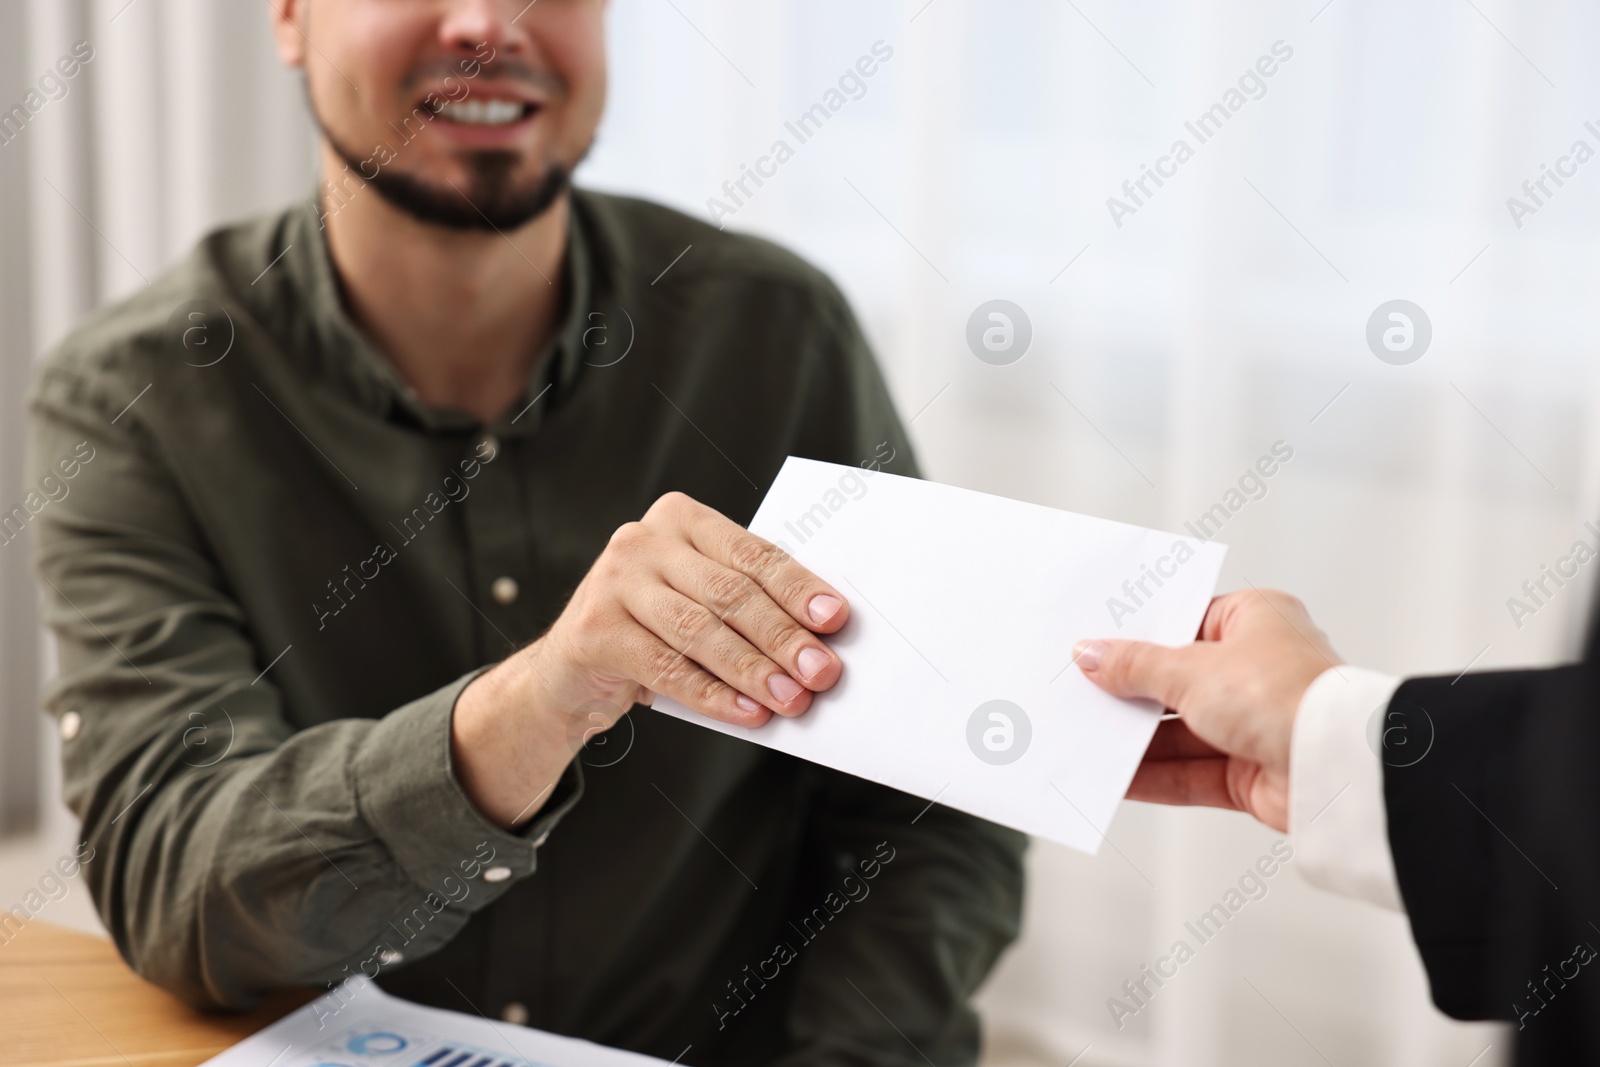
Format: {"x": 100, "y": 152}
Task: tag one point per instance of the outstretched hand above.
{"x": 1236, "y": 691}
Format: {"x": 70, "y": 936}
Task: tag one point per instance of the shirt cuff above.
{"x": 1337, "y": 819}
{"x": 408, "y": 794}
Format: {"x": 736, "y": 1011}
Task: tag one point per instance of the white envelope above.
{"x": 958, "y": 683}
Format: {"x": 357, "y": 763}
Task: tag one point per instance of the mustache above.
{"x": 510, "y": 69}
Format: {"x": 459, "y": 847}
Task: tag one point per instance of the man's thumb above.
{"x": 1134, "y": 669}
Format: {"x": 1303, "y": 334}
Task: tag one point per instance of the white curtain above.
{"x": 1226, "y": 313}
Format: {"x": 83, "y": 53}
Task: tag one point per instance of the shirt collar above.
{"x": 351, "y": 358}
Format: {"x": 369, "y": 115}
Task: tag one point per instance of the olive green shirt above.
{"x": 272, "y": 570}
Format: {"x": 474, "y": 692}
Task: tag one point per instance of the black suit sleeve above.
{"x": 1495, "y": 833}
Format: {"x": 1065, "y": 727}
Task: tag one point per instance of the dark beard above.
{"x": 491, "y": 201}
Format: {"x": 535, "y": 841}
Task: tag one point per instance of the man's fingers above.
{"x": 660, "y": 668}
{"x": 808, "y": 599}
{"x": 1138, "y": 670}
{"x": 798, "y": 657}
{"x": 694, "y": 630}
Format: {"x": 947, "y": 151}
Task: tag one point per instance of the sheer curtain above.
{"x": 1175, "y": 339}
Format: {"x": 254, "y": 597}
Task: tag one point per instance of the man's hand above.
{"x": 684, "y": 602}
{"x": 1237, "y": 690}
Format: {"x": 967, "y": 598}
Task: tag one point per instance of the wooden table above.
{"x": 68, "y": 1000}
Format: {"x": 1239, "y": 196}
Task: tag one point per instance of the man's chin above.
{"x": 490, "y": 200}
{"x": 493, "y": 196}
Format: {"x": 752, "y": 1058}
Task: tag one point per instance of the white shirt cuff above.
{"x": 1337, "y": 820}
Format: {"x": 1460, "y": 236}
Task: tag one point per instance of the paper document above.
{"x": 958, "y": 684}
{"x": 359, "y": 1025}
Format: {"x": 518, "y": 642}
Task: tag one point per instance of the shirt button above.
{"x": 505, "y": 589}
{"x": 71, "y": 723}
{"x": 497, "y": 874}
{"x": 515, "y": 1013}
{"x": 390, "y": 957}
{"x": 488, "y": 447}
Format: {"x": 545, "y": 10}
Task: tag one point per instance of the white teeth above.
{"x": 482, "y": 112}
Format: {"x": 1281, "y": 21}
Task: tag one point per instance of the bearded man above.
{"x": 400, "y": 500}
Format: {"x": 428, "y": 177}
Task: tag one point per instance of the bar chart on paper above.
{"x": 447, "y": 1055}
{"x": 366, "y": 1046}
{"x": 359, "y": 1025}
{"x": 362, "y": 1047}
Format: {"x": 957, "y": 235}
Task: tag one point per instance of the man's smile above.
{"x": 486, "y": 112}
